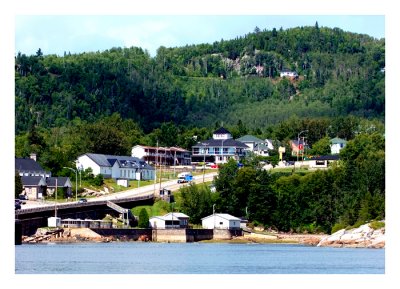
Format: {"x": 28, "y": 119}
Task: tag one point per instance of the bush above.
{"x": 143, "y": 219}
{"x": 98, "y": 180}
{"x": 337, "y": 227}
{"x": 377, "y": 225}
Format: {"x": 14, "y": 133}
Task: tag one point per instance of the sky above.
{"x": 91, "y": 33}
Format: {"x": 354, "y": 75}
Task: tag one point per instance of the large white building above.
{"x": 161, "y": 155}
{"x": 116, "y": 167}
{"x": 220, "y": 221}
{"x": 219, "y": 149}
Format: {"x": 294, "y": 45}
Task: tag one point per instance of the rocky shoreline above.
{"x": 363, "y": 237}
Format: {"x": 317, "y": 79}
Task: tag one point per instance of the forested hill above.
{"x": 340, "y": 73}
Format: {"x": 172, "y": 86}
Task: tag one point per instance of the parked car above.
{"x": 23, "y": 197}
{"x": 214, "y": 166}
{"x": 17, "y": 204}
{"x": 82, "y": 200}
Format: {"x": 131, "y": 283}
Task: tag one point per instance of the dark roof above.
{"x": 27, "y": 164}
{"x": 32, "y": 181}
{"x": 221, "y": 130}
{"x": 219, "y": 142}
{"x": 61, "y": 181}
{"x": 328, "y": 158}
{"x": 123, "y": 161}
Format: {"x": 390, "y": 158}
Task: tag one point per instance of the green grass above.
{"x": 159, "y": 208}
{"x": 290, "y": 170}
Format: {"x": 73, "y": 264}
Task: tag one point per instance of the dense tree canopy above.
{"x": 340, "y": 73}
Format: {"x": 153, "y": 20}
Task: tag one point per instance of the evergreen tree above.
{"x": 143, "y": 219}
{"x": 18, "y": 185}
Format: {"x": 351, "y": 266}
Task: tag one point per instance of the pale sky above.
{"x": 88, "y": 33}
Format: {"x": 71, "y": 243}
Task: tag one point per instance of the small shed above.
{"x": 54, "y": 222}
{"x": 183, "y": 219}
{"x": 220, "y": 221}
{"x": 322, "y": 161}
{"x": 161, "y": 222}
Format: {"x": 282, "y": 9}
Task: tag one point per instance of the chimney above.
{"x": 33, "y": 156}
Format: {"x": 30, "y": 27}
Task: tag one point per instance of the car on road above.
{"x": 83, "y": 200}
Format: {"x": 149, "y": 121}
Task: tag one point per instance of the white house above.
{"x": 116, "y": 167}
{"x": 183, "y": 218}
{"x": 220, "y": 221}
{"x": 219, "y": 149}
{"x": 169, "y": 221}
{"x": 337, "y": 144}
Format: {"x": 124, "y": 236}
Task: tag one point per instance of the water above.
{"x": 194, "y": 258}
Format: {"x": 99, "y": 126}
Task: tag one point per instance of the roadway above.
{"x": 145, "y": 191}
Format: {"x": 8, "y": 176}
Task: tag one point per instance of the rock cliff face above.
{"x": 362, "y": 237}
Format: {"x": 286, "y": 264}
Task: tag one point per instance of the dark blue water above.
{"x": 194, "y": 258}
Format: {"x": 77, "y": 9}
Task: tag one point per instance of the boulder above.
{"x": 361, "y": 237}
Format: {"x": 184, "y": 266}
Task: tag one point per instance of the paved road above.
{"x": 142, "y": 191}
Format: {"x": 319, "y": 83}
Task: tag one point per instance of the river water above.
{"x": 194, "y": 258}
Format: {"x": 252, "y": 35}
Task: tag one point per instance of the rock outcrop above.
{"x": 361, "y": 237}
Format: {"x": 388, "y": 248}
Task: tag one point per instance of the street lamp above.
{"x": 76, "y": 181}
{"x": 214, "y": 215}
{"x": 298, "y": 142}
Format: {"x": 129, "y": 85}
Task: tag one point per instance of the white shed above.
{"x": 220, "y": 221}
{"x": 54, "y": 222}
{"x": 162, "y": 222}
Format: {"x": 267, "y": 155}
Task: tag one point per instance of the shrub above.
{"x": 143, "y": 219}
{"x": 337, "y": 227}
{"x": 377, "y": 225}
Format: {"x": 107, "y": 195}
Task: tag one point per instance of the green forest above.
{"x": 108, "y": 101}
{"x": 346, "y": 195}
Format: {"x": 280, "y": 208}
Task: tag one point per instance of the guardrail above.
{"x": 76, "y": 204}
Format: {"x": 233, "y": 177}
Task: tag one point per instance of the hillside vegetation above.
{"x": 198, "y": 85}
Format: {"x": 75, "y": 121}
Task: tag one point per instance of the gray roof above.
{"x": 250, "y": 138}
{"x": 27, "y": 164}
{"x": 337, "y": 140}
{"x": 224, "y": 216}
{"x": 32, "y": 181}
{"x": 177, "y": 215}
{"x": 221, "y": 142}
{"x": 123, "y": 161}
{"x": 61, "y": 181}
{"x": 261, "y": 147}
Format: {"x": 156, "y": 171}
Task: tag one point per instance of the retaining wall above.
{"x": 170, "y": 235}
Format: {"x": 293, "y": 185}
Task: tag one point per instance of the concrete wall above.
{"x": 169, "y": 235}
{"x": 194, "y": 235}
{"x": 129, "y": 234}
